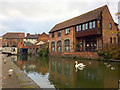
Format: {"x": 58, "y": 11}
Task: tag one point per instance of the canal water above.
{"x": 61, "y": 73}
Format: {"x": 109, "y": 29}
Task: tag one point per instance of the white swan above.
{"x": 79, "y": 65}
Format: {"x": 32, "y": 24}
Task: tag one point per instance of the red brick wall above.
{"x": 92, "y": 55}
{"x": 43, "y": 37}
{"x": 9, "y": 38}
{"x": 18, "y": 44}
{"x": 106, "y": 31}
{"x": 62, "y": 38}
{"x": 0, "y": 42}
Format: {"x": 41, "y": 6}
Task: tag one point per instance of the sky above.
{"x": 37, "y": 16}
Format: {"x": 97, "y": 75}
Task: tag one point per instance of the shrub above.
{"x": 44, "y": 52}
{"x": 100, "y": 53}
{"x": 40, "y": 53}
{"x": 107, "y": 54}
{"x": 116, "y": 54}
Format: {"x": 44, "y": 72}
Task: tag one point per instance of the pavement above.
{"x": 18, "y": 80}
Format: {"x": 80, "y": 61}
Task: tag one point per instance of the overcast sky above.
{"x": 37, "y": 16}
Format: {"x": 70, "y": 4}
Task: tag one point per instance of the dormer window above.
{"x": 90, "y": 25}
{"x": 86, "y": 26}
{"x": 83, "y": 27}
{"x": 93, "y": 24}
{"x": 77, "y": 28}
{"x": 110, "y": 25}
{"x": 67, "y": 31}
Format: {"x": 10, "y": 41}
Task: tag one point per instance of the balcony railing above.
{"x": 89, "y": 32}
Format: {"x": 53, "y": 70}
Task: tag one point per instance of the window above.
{"x": 59, "y": 45}
{"x": 118, "y": 40}
{"x": 86, "y": 27}
{"x": 67, "y": 31}
{"x": 59, "y": 33}
{"x": 83, "y": 27}
{"x": 90, "y": 25}
{"x": 98, "y": 24}
{"x": 8, "y": 39}
{"x": 110, "y": 25}
{"x": 67, "y": 45}
{"x": 93, "y": 24}
{"x": 53, "y": 35}
{"x": 111, "y": 40}
{"x": 52, "y": 46}
{"x": 114, "y": 40}
{"x": 77, "y": 28}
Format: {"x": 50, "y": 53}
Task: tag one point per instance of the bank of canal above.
{"x": 19, "y": 79}
{"x": 61, "y": 73}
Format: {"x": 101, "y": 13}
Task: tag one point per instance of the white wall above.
{"x": 34, "y": 41}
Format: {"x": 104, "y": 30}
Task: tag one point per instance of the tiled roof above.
{"x": 14, "y": 35}
{"x": 94, "y": 14}
{"x": 32, "y": 36}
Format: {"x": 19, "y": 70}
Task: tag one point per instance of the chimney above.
{"x": 28, "y": 34}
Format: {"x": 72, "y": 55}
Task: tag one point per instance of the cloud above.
{"x": 36, "y": 16}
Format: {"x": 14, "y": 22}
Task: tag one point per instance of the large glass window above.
{"x": 52, "y": 46}
{"x": 67, "y": 31}
{"x": 67, "y": 45}
{"x": 90, "y": 25}
{"x": 59, "y": 45}
{"x": 93, "y": 24}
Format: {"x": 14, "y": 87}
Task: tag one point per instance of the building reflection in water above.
{"x": 95, "y": 75}
{"x": 61, "y": 72}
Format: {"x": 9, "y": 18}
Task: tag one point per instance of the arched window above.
{"x": 59, "y": 45}
{"x": 67, "y": 45}
{"x": 52, "y": 46}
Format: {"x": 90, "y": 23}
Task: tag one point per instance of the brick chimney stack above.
{"x": 28, "y": 34}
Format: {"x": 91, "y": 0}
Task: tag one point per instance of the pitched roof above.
{"x": 35, "y": 36}
{"x": 94, "y": 14}
{"x": 44, "y": 34}
{"x": 14, "y": 35}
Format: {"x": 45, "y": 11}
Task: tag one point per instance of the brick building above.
{"x": 88, "y": 32}
{"x": 43, "y": 38}
{"x": 33, "y": 43}
{"x": 0, "y": 43}
{"x": 32, "y": 38}
{"x": 13, "y": 40}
